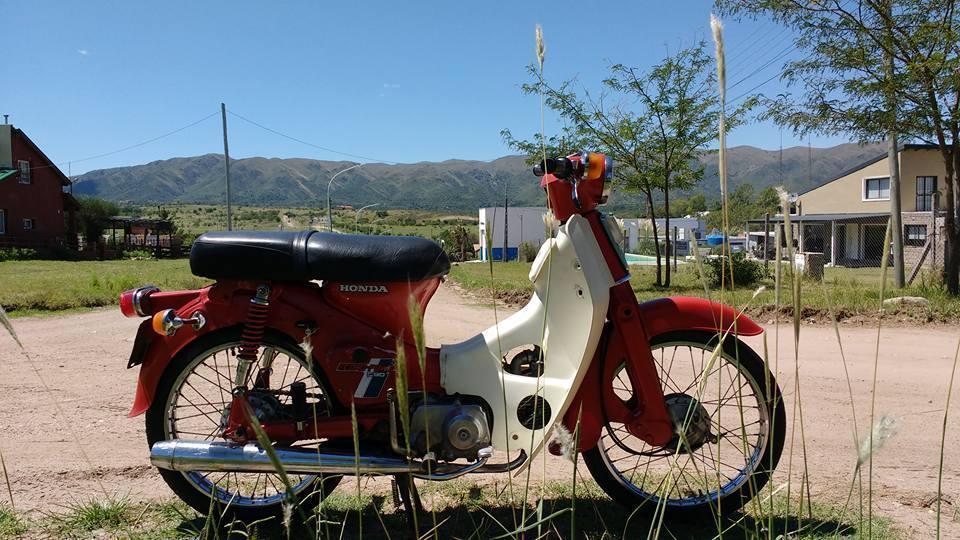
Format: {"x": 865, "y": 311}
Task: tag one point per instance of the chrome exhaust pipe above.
{"x": 185, "y": 455}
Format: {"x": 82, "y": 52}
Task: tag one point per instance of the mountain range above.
{"x": 455, "y": 185}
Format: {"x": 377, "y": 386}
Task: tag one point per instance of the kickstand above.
{"x": 405, "y": 493}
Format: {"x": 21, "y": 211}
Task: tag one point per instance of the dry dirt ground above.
{"x": 67, "y": 437}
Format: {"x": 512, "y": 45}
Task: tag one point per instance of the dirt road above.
{"x": 81, "y": 360}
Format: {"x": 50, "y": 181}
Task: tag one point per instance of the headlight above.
{"x": 612, "y": 227}
{"x": 607, "y": 179}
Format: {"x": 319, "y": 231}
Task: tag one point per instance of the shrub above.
{"x": 746, "y": 271}
{"x": 527, "y": 252}
{"x": 94, "y": 215}
{"x": 138, "y": 254}
{"x": 17, "y": 254}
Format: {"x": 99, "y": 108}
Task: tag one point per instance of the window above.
{"x": 876, "y": 189}
{"x": 28, "y": 224}
{"x": 24, "y": 166}
{"x": 915, "y": 235}
{"x": 3, "y": 222}
{"x": 926, "y": 186}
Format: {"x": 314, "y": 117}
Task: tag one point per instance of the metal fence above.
{"x": 853, "y": 240}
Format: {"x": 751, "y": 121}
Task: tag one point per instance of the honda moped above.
{"x": 296, "y": 346}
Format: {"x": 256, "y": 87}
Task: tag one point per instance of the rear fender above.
{"x": 153, "y": 352}
{"x": 659, "y": 317}
{"x": 223, "y": 306}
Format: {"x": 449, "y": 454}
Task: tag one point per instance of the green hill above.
{"x": 459, "y": 185}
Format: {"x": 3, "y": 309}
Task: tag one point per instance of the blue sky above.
{"x": 393, "y": 81}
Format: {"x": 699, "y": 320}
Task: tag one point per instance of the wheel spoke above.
{"x": 702, "y": 469}
{"x": 201, "y": 395}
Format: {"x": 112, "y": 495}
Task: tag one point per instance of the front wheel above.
{"x": 734, "y": 422}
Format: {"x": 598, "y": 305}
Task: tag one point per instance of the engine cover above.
{"x": 454, "y": 430}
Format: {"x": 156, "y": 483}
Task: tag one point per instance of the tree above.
{"x": 653, "y": 123}
{"x": 872, "y": 65}
{"x": 744, "y": 204}
{"x": 697, "y": 203}
{"x": 93, "y": 217}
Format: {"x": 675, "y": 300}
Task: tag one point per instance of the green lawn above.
{"x": 194, "y": 219}
{"x": 30, "y": 287}
{"x": 852, "y": 291}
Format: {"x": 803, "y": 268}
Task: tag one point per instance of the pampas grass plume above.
{"x": 541, "y": 48}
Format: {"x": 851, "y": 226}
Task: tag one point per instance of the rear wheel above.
{"x": 735, "y": 424}
{"x": 192, "y": 402}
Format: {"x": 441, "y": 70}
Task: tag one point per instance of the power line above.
{"x": 148, "y": 141}
{"x": 317, "y": 146}
{"x": 131, "y": 147}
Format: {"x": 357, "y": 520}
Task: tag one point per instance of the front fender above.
{"x": 659, "y": 317}
{"x": 690, "y": 313}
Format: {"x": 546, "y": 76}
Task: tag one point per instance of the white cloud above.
{"x": 391, "y": 85}
{"x": 82, "y": 52}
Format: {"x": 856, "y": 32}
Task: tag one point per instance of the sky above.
{"x": 385, "y": 80}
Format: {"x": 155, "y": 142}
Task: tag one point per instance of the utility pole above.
{"x": 893, "y": 160}
{"x": 506, "y": 222}
{"x": 226, "y": 161}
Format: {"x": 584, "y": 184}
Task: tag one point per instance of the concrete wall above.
{"x": 638, "y": 228}
{"x": 6, "y": 146}
{"x": 845, "y": 195}
{"x": 524, "y": 224}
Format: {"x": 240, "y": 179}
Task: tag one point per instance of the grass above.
{"x": 11, "y": 525}
{"x": 194, "y": 219}
{"x": 463, "y": 510}
{"x": 33, "y": 287}
{"x": 42, "y": 287}
{"x": 854, "y": 291}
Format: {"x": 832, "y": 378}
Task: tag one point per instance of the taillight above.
{"x": 133, "y": 302}
{"x": 126, "y": 304}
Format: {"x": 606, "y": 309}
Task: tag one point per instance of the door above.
{"x": 873, "y": 248}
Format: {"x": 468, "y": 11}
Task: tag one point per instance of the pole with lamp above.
{"x": 329, "y": 184}
{"x": 356, "y": 221}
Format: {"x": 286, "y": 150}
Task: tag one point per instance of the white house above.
{"x": 638, "y": 229}
{"x": 522, "y": 223}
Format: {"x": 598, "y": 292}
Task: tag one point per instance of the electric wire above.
{"x": 308, "y": 143}
{"x": 126, "y": 148}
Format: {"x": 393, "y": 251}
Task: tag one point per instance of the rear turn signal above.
{"x": 166, "y": 322}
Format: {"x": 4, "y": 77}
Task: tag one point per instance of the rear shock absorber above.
{"x": 252, "y": 335}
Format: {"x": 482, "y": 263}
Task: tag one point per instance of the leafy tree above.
{"x": 93, "y": 217}
{"x": 653, "y": 123}
{"x": 458, "y": 242}
{"x": 872, "y": 65}
{"x": 697, "y": 203}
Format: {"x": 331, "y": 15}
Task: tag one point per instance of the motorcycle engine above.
{"x": 455, "y": 430}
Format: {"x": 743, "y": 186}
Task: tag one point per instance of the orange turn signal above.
{"x": 595, "y": 163}
{"x": 161, "y": 322}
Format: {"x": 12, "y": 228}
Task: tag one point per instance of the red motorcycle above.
{"x": 670, "y": 408}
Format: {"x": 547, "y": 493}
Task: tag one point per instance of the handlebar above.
{"x": 562, "y": 168}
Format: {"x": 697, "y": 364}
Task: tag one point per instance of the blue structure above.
{"x": 497, "y": 253}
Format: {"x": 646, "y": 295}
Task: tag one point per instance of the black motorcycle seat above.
{"x": 310, "y": 255}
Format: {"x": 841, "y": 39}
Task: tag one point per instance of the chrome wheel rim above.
{"x": 738, "y": 416}
{"x": 198, "y": 403}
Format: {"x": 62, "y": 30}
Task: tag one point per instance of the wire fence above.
{"x": 853, "y": 241}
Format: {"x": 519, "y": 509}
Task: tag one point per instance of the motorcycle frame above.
{"x": 617, "y": 331}
{"x": 583, "y": 316}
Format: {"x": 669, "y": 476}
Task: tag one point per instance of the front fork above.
{"x": 647, "y": 416}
